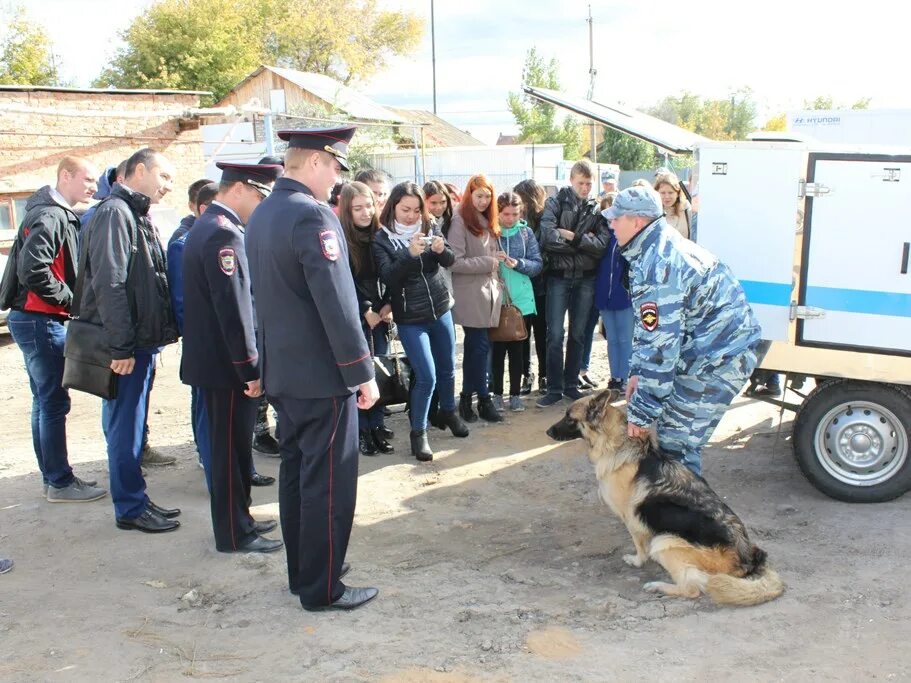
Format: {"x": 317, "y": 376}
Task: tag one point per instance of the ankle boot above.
{"x": 465, "y": 410}
{"x": 487, "y": 410}
{"x": 382, "y": 444}
{"x": 366, "y": 444}
{"x": 449, "y": 418}
{"x": 420, "y": 448}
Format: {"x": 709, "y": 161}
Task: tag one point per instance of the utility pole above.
{"x": 433, "y": 58}
{"x": 592, "y": 72}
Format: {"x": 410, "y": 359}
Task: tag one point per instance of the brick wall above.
{"x": 32, "y": 144}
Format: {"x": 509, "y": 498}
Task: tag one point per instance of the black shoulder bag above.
{"x": 87, "y": 354}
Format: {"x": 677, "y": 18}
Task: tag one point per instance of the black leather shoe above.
{"x": 365, "y": 444}
{"x": 487, "y": 410}
{"x": 264, "y": 526}
{"x": 466, "y": 412}
{"x": 167, "y": 513}
{"x": 420, "y": 447}
{"x": 449, "y": 418}
{"x": 149, "y": 522}
{"x": 351, "y": 598}
{"x": 265, "y": 444}
{"x": 388, "y": 434}
{"x": 261, "y": 479}
{"x": 260, "y": 544}
{"x": 382, "y": 445}
{"x": 345, "y": 569}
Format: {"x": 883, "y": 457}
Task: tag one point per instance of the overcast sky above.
{"x": 788, "y": 52}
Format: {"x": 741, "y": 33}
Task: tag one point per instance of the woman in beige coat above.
{"x": 476, "y": 290}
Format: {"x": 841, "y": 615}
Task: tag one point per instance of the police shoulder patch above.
{"x": 648, "y": 313}
{"x": 328, "y": 242}
{"x": 227, "y": 261}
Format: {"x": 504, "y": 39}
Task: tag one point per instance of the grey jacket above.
{"x": 126, "y": 280}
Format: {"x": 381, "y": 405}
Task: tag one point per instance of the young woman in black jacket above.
{"x": 410, "y": 255}
{"x": 358, "y": 216}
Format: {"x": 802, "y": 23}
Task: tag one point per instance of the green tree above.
{"x": 629, "y": 153}
{"x": 213, "y": 44}
{"x": 828, "y": 102}
{"x": 731, "y": 118}
{"x": 27, "y": 57}
{"x": 778, "y": 122}
{"x": 537, "y": 120}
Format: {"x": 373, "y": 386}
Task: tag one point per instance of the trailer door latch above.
{"x": 806, "y": 189}
{"x": 806, "y": 312}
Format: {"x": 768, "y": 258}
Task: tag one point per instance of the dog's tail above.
{"x": 761, "y": 586}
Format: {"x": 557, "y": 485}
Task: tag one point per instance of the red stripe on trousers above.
{"x": 231, "y": 471}
{"x": 331, "y": 448}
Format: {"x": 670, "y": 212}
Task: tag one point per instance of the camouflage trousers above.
{"x": 695, "y": 407}
{"x": 262, "y": 417}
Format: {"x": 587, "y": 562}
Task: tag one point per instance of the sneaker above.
{"x": 77, "y": 492}
{"x": 574, "y": 394}
{"x": 616, "y": 384}
{"x": 498, "y": 403}
{"x": 587, "y": 382}
{"x": 549, "y": 400}
{"x": 767, "y": 390}
{"x": 515, "y": 404}
{"x": 527, "y": 383}
{"x": 152, "y": 458}
{"x": 5, "y": 565}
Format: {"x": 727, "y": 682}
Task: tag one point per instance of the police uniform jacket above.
{"x": 692, "y": 317}
{"x": 219, "y": 347}
{"x": 309, "y": 326}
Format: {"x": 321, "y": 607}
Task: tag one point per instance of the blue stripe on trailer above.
{"x": 770, "y": 293}
{"x": 860, "y": 301}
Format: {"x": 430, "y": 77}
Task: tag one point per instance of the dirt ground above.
{"x": 496, "y": 562}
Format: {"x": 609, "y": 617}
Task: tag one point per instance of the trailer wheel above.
{"x": 852, "y": 440}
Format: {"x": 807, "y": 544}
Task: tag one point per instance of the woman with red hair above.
{"x": 473, "y": 237}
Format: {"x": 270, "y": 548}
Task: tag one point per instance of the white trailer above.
{"x": 817, "y": 236}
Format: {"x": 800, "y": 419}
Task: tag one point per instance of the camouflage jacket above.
{"x": 692, "y": 318}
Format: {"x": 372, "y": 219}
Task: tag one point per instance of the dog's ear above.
{"x": 597, "y": 407}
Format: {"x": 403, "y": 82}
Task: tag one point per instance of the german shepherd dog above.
{"x": 672, "y": 515}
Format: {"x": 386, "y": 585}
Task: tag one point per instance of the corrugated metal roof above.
{"x": 660, "y": 133}
{"x": 337, "y": 94}
{"x": 437, "y": 132}
{"x": 99, "y": 91}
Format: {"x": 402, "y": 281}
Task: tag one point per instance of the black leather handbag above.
{"x": 87, "y": 360}
{"x": 393, "y": 375}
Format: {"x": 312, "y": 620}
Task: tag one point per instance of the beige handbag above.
{"x": 512, "y": 323}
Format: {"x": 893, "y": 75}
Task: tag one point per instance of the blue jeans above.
{"x": 430, "y": 348}
{"x": 565, "y": 295}
{"x": 590, "y": 325}
{"x": 123, "y": 422}
{"x": 41, "y": 337}
{"x": 618, "y": 326}
{"x": 373, "y": 418}
{"x": 476, "y": 361}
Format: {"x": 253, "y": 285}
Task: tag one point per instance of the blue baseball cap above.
{"x": 635, "y": 201}
{"x": 607, "y": 176}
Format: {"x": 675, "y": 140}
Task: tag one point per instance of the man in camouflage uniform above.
{"x": 695, "y": 341}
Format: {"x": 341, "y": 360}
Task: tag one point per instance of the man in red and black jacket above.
{"x": 39, "y": 290}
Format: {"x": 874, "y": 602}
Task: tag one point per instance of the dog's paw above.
{"x": 634, "y": 560}
{"x": 653, "y": 587}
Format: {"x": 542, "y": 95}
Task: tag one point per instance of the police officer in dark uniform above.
{"x": 219, "y": 349}
{"x": 314, "y": 359}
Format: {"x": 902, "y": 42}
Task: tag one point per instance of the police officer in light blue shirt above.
{"x": 695, "y": 338}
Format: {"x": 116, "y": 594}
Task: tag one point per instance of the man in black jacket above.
{"x": 574, "y": 236}
{"x": 126, "y": 291}
{"x": 38, "y": 287}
